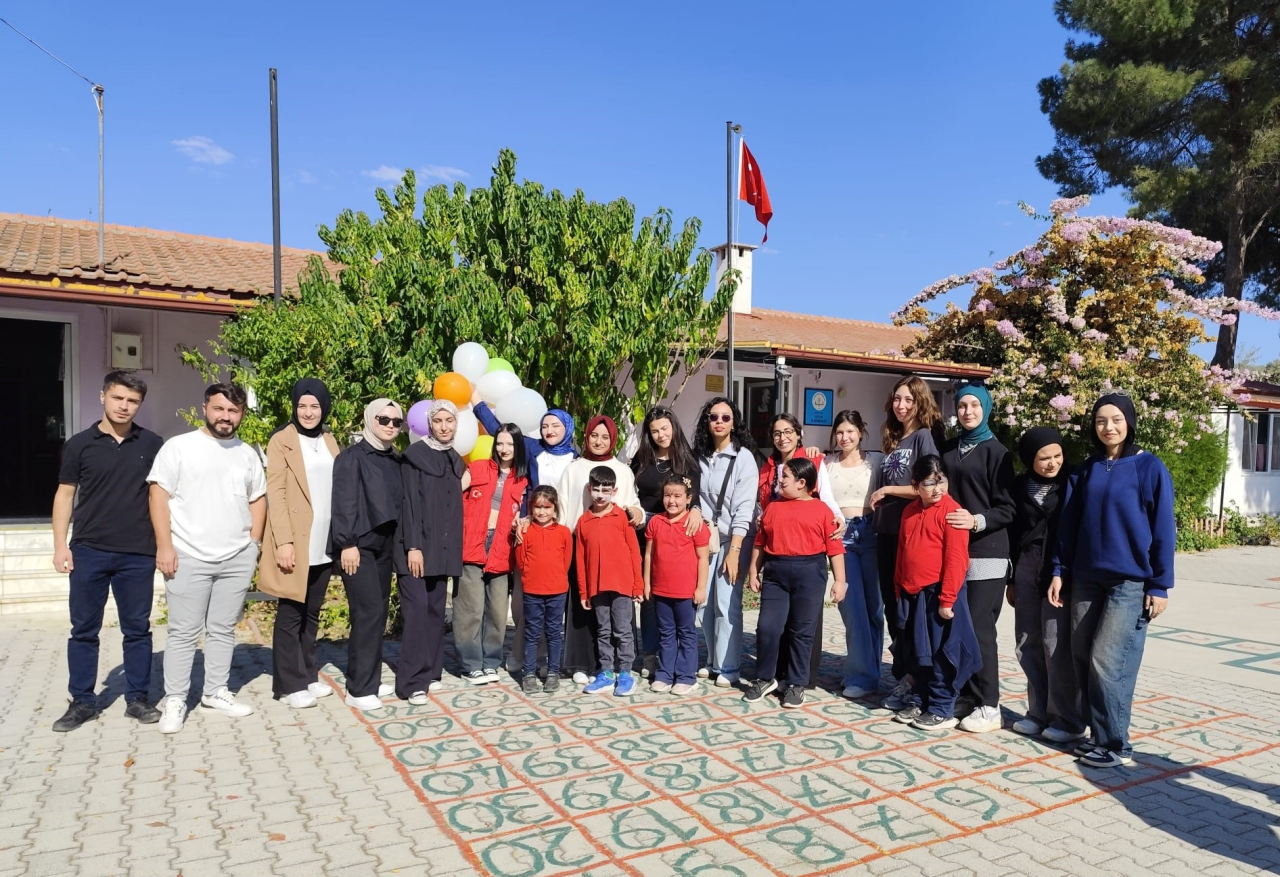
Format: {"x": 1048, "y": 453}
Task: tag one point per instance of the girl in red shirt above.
{"x": 543, "y": 556}
{"x": 792, "y": 547}
{"x": 936, "y": 639}
{"x": 675, "y": 580}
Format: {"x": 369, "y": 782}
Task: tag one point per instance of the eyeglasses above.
{"x": 719, "y": 418}
{"x": 397, "y": 422}
{"x": 941, "y": 482}
{"x": 783, "y": 433}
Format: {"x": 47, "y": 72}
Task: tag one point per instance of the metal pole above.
{"x": 275, "y": 188}
{"x": 99, "y": 95}
{"x": 728, "y": 249}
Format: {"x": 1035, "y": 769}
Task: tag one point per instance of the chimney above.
{"x": 741, "y": 264}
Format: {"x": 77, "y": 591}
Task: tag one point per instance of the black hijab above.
{"x": 1125, "y": 404}
{"x": 1032, "y": 442}
{"x": 311, "y": 387}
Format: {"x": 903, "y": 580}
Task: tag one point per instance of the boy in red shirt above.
{"x": 937, "y": 636}
{"x": 544, "y": 556}
{"x": 675, "y": 578}
{"x": 610, "y": 582}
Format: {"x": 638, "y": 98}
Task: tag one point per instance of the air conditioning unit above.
{"x": 126, "y": 350}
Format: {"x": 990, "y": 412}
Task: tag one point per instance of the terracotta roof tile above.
{"x": 769, "y": 328}
{"x": 37, "y": 247}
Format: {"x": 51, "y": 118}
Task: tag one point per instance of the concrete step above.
{"x": 28, "y": 581}
{"x": 27, "y": 537}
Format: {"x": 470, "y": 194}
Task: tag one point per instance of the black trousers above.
{"x": 815, "y": 658}
{"x": 422, "y": 643}
{"x": 368, "y": 595}
{"x": 887, "y": 566}
{"x": 790, "y": 600}
{"x": 580, "y": 652}
{"x": 293, "y": 642}
{"x": 985, "y": 599}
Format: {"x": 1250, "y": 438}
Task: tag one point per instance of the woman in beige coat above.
{"x": 296, "y": 565}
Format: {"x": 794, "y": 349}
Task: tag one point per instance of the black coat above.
{"x": 1034, "y": 531}
{"x": 982, "y": 482}
{"x": 366, "y": 494}
{"x": 431, "y": 511}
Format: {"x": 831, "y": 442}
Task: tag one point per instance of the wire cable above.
{"x": 50, "y": 54}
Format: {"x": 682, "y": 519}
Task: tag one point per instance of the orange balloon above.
{"x": 452, "y": 386}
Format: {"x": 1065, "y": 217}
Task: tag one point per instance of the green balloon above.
{"x": 498, "y": 364}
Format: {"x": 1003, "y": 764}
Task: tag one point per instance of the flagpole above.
{"x": 730, "y": 128}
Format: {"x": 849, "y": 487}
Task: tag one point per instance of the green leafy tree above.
{"x": 572, "y": 292}
{"x": 1178, "y": 101}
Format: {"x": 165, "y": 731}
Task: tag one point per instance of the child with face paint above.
{"x": 935, "y": 638}
{"x": 607, "y": 561}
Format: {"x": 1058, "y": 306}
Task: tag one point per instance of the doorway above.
{"x": 758, "y": 409}
{"x": 34, "y": 384}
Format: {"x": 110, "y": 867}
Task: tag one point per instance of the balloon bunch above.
{"x": 499, "y": 387}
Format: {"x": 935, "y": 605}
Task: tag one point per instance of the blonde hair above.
{"x": 926, "y": 414}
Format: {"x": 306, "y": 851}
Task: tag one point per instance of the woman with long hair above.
{"x": 726, "y": 458}
{"x": 854, "y": 475}
{"x": 912, "y": 430}
{"x": 1116, "y": 540}
{"x": 663, "y": 453}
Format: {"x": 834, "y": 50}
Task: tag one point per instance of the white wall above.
{"x": 1250, "y": 493}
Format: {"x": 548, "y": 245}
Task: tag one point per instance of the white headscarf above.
{"x": 437, "y": 406}
{"x": 372, "y": 410}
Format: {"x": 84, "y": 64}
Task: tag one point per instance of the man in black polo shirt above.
{"x": 113, "y": 547}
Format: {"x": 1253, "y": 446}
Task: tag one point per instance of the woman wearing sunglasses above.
{"x": 366, "y": 509}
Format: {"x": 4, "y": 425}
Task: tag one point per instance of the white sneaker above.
{"x": 704, "y": 673}
{"x": 225, "y": 702}
{"x": 367, "y": 703}
{"x": 982, "y": 720}
{"x": 386, "y": 689}
{"x": 173, "y": 712}
{"x": 853, "y": 692}
{"x": 320, "y": 689}
{"x": 1028, "y": 727}
{"x": 418, "y": 698}
{"x": 435, "y": 686}
{"x": 490, "y": 674}
{"x": 580, "y": 678}
{"x": 1057, "y": 735}
{"x": 723, "y": 681}
{"x": 299, "y": 700}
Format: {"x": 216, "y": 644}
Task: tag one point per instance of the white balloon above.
{"x": 468, "y": 432}
{"x": 495, "y": 385}
{"x": 470, "y": 360}
{"x": 523, "y": 407}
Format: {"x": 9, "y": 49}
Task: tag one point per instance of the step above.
{"x": 44, "y": 590}
{"x": 34, "y": 537}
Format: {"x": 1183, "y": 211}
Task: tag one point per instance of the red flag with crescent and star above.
{"x": 751, "y": 188}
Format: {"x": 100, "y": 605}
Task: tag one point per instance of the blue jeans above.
{"x": 130, "y": 577}
{"x": 791, "y": 592}
{"x": 543, "y": 613}
{"x": 677, "y": 640}
{"x": 721, "y": 615}
{"x": 1108, "y": 633}
{"x": 862, "y": 608}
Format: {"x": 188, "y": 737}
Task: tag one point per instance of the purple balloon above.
{"x": 417, "y": 418}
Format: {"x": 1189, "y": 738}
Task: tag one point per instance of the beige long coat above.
{"x": 288, "y": 515}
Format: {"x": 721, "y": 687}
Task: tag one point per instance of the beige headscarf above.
{"x": 372, "y": 410}
{"x": 430, "y": 438}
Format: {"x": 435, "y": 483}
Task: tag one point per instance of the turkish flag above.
{"x": 752, "y": 190}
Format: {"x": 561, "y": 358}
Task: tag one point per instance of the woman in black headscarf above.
{"x": 296, "y": 566}
{"x": 1042, "y": 631}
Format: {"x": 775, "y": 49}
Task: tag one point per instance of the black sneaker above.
{"x": 759, "y": 689}
{"x": 475, "y": 677}
{"x": 793, "y": 697}
{"x": 934, "y": 722}
{"x": 908, "y": 714}
{"x": 552, "y": 685}
{"x": 1099, "y": 757}
{"x": 530, "y": 684}
{"x": 76, "y": 715}
{"x": 144, "y": 712}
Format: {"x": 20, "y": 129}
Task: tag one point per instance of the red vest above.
{"x": 770, "y": 468}
{"x": 476, "y": 504}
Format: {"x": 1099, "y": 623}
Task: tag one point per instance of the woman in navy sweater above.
{"x": 1115, "y": 541}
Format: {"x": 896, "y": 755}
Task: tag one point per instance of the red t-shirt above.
{"x": 544, "y": 557}
{"x": 674, "y": 569}
{"x": 798, "y": 528}
{"x": 608, "y": 555}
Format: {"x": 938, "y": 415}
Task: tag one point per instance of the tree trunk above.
{"x": 1233, "y": 281}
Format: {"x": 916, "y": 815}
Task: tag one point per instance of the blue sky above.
{"x": 895, "y": 148}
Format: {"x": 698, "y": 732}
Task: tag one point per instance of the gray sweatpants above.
{"x": 204, "y": 598}
{"x": 615, "y": 624}
{"x": 480, "y": 618}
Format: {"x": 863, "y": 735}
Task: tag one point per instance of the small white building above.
{"x": 1251, "y": 485}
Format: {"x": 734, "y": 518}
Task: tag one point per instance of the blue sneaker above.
{"x": 626, "y": 685}
{"x": 602, "y": 684}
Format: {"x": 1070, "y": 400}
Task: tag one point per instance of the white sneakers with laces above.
{"x": 299, "y": 700}
{"x": 982, "y": 720}
{"x": 172, "y": 713}
{"x": 223, "y": 701}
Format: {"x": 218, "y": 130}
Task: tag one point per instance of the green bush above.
{"x": 1197, "y": 471}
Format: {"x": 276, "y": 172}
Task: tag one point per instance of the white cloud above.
{"x": 203, "y": 150}
{"x": 441, "y": 172}
{"x": 306, "y": 177}
{"x": 767, "y": 251}
{"x": 384, "y": 173}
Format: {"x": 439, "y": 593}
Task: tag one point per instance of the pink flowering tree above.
{"x": 1095, "y": 305}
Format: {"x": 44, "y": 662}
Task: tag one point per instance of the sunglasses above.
{"x": 397, "y": 422}
{"x": 719, "y": 418}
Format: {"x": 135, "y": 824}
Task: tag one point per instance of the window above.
{"x": 1260, "y": 452}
